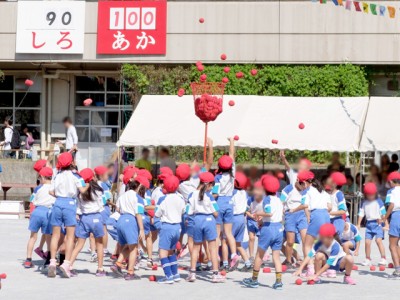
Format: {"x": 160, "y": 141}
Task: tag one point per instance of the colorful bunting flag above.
{"x": 322, "y": 1}
{"x": 392, "y": 11}
{"x": 365, "y": 7}
{"x": 340, "y": 2}
{"x": 348, "y": 5}
{"x": 335, "y": 2}
{"x": 357, "y": 5}
{"x": 382, "y": 10}
{"x": 372, "y": 6}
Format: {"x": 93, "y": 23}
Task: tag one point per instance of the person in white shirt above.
{"x": 8, "y": 132}
{"x": 71, "y": 141}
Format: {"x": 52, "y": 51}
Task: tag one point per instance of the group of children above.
{"x": 215, "y": 210}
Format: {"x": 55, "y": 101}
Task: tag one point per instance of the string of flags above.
{"x": 361, "y": 6}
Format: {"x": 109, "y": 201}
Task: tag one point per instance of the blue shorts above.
{"x": 105, "y": 214}
{"x": 204, "y": 228}
{"x": 271, "y": 235}
{"x": 127, "y": 229}
{"x": 252, "y": 226}
{"x": 394, "y": 227}
{"x": 225, "y": 212}
{"x": 238, "y": 227}
{"x": 318, "y": 218}
{"x": 63, "y": 212}
{"x": 90, "y": 223}
{"x": 374, "y": 229}
{"x": 147, "y": 226}
{"x": 338, "y": 222}
{"x": 183, "y": 224}
{"x": 111, "y": 226}
{"x": 297, "y": 237}
{"x": 169, "y": 236}
{"x": 336, "y": 267}
{"x": 39, "y": 219}
{"x": 190, "y": 226}
{"x": 295, "y": 222}
{"x": 156, "y": 226}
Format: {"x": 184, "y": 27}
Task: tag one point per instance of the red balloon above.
{"x": 223, "y": 56}
{"x": 227, "y": 69}
{"x": 301, "y": 126}
{"x": 253, "y": 72}
{"x": 225, "y": 80}
{"x": 29, "y": 82}
{"x": 236, "y": 137}
{"x": 231, "y": 103}
{"x": 87, "y": 102}
{"x": 274, "y": 141}
{"x": 201, "y": 20}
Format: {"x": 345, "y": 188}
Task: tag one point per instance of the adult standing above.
{"x": 166, "y": 160}
{"x": 71, "y": 141}
{"x": 8, "y": 133}
{"x": 144, "y": 162}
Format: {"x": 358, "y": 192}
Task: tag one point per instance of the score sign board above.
{"x": 51, "y": 27}
{"x": 132, "y": 27}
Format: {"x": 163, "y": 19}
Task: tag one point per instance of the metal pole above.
{"x": 263, "y": 160}
{"x": 156, "y": 168}
{"x": 205, "y": 144}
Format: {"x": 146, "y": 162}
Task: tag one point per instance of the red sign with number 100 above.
{"x": 132, "y": 27}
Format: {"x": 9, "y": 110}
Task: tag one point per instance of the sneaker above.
{"x": 191, "y": 277}
{"x": 366, "y": 263}
{"x": 166, "y": 280}
{"x": 325, "y": 274}
{"x": 65, "y": 271}
{"x": 28, "y": 264}
{"x": 106, "y": 252}
{"x": 217, "y": 278}
{"x": 249, "y": 282}
{"x": 137, "y": 264}
{"x": 224, "y": 268}
{"x": 395, "y": 275}
{"x": 40, "y": 253}
{"x": 308, "y": 273}
{"x": 331, "y": 274}
{"x": 52, "y": 270}
{"x": 133, "y": 276}
{"x": 277, "y": 286}
{"x": 73, "y": 273}
{"x": 93, "y": 257}
{"x": 101, "y": 273}
{"x": 207, "y": 268}
{"x": 235, "y": 261}
{"x": 246, "y": 268}
{"x": 382, "y": 262}
{"x": 150, "y": 263}
{"x": 177, "y": 277}
{"x": 232, "y": 269}
{"x": 199, "y": 268}
{"x": 117, "y": 270}
{"x": 349, "y": 280}
{"x": 251, "y": 260}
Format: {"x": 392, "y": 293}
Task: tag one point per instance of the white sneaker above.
{"x": 191, "y": 277}
{"x": 366, "y": 263}
{"x": 93, "y": 257}
{"x": 218, "y": 278}
{"x": 382, "y": 262}
{"x": 331, "y": 274}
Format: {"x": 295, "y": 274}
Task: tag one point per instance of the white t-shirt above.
{"x": 207, "y": 206}
{"x": 273, "y": 205}
{"x": 292, "y": 175}
{"x": 91, "y": 207}
{"x": 130, "y": 203}
{"x": 8, "y": 132}
{"x": 157, "y": 194}
{"x": 239, "y": 200}
{"x": 315, "y": 199}
{"x": 72, "y": 138}
{"x": 291, "y": 197}
{"x": 256, "y": 207}
{"x": 338, "y": 202}
{"x": 41, "y": 196}
{"x": 372, "y": 210}
{"x": 187, "y": 187}
{"x": 395, "y": 198}
{"x": 66, "y": 184}
{"x": 170, "y": 208}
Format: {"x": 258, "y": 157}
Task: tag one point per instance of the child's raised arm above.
{"x": 232, "y": 148}
{"x": 210, "y": 158}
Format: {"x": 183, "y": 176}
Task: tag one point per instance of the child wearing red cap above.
{"x": 90, "y": 206}
{"x": 170, "y": 209}
{"x": 329, "y": 255}
{"x": 271, "y": 234}
{"x": 373, "y": 210}
{"x": 223, "y": 192}
{"x": 39, "y": 218}
{"x": 203, "y": 209}
{"x": 255, "y": 206}
{"x": 350, "y": 239}
{"x": 65, "y": 187}
{"x": 339, "y": 209}
{"x": 303, "y": 165}
{"x": 130, "y": 227}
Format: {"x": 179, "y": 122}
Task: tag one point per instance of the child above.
{"x": 374, "y": 211}
{"x": 130, "y": 225}
{"x": 65, "y": 187}
{"x": 39, "y": 219}
{"x": 394, "y": 228}
{"x": 90, "y": 206}
{"x": 328, "y": 255}
{"x": 223, "y": 192}
{"x": 170, "y": 209}
{"x": 203, "y": 209}
{"x": 336, "y": 180}
{"x": 350, "y": 239}
{"x": 317, "y": 204}
{"x": 256, "y": 205}
{"x": 271, "y": 234}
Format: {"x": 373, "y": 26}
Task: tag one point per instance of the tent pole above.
{"x": 263, "y": 160}
{"x": 205, "y": 145}
{"x": 156, "y": 168}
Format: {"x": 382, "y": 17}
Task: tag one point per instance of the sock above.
{"x": 398, "y": 268}
{"x": 47, "y": 262}
{"x": 384, "y": 257}
{"x": 278, "y": 277}
{"x": 209, "y": 264}
{"x": 255, "y": 274}
{"x": 198, "y": 264}
{"x": 53, "y": 262}
{"x": 225, "y": 263}
{"x": 368, "y": 258}
{"x": 166, "y": 266}
{"x": 346, "y": 275}
{"x": 29, "y": 259}
{"x": 233, "y": 255}
{"x": 247, "y": 263}
{"x": 174, "y": 264}
{"x": 62, "y": 258}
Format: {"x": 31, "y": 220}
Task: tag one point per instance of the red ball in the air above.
{"x": 274, "y": 141}
{"x": 203, "y": 77}
{"x": 301, "y": 126}
{"x": 181, "y": 92}
{"x": 201, "y": 20}
{"x": 236, "y": 137}
{"x": 239, "y": 75}
{"x": 29, "y": 82}
{"x": 87, "y": 102}
{"x": 223, "y": 56}
{"x": 231, "y": 103}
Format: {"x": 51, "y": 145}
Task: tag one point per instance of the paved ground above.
{"x": 22, "y": 283}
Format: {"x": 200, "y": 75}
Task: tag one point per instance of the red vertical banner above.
{"x": 132, "y": 27}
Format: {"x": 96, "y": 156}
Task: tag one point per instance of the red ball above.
{"x": 253, "y": 72}
{"x": 391, "y": 266}
{"x": 203, "y": 77}
{"x": 274, "y": 141}
{"x": 301, "y": 126}
{"x": 239, "y": 75}
{"x": 198, "y": 63}
{"x": 236, "y": 137}
{"x": 227, "y": 70}
{"x": 267, "y": 270}
{"x": 201, "y": 20}
{"x": 310, "y": 282}
{"x": 299, "y": 281}
{"x": 152, "y": 278}
{"x": 29, "y": 82}
{"x": 154, "y": 267}
{"x": 181, "y": 92}
{"x": 223, "y": 273}
{"x": 200, "y": 68}
{"x": 382, "y": 268}
{"x": 354, "y": 268}
{"x": 87, "y": 102}
{"x": 178, "y": 246}
{"x": 225, "y": 80}
{"x": 284, "y": 268}
{"x": 372, "y": 268}
{"x": 223, "y": 56}
{"x": 231, "y": 103}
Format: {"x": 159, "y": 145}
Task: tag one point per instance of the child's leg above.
{"x": 42, "y": 241}
{"x": 309, "y": 242}
{"x": 132, "y": 258}
{"x": 100, "y": 252}
{"x": 124, "y": 253}
{"x": 257, "y": 263}
{"x": 69, "y": 242}
{"x": 212, "y": 245}
{"x": 319, "y": 261}
{"x": 252, "y": 238}
{"x": 290, "y": 238}
{"x": 105, "y": 239}
{"x": 31, "y": 244}
{"x": 54, "y": 241}
{"x": 154, "y": 235}
{"x": 347, "y": 264}
{"x": 92, "y": 243}
{"x": 173, "y": 262}
{"x": 165, "y": 262}
{"x": 149, "y": 245}
{"x": 381, "y": 247}
{"x": 78, "y": 248}
{"x": 242, "y": 252}
{"x": 229, "y": 238}
{"x": 368, "y": 249}
{"x": 225, "y": 252}
{"x": 194, "y": 256}
{"x": 347, "y": 246}
{"x": 303, "y": 234}
{"x": 394, "y": 248}
{"x": 206, "y": 251}
{"x": 276, "y": 257}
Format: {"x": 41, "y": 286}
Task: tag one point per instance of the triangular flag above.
{"x": 335, "y": 2}
{"x": 372, "y": 6}
{"x": 382, "y": 10}
{"x": 357, "y": 5}
{"x": 348, "y": 4}
{"x": 392, "y": 11}
{"x": 322, "y": 1}
{"x": 365, "y": 7}
{"x": 340, "y": 2}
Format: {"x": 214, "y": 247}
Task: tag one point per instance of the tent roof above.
{"x": 331, "y": 124}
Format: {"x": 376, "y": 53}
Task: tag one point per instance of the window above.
{"x": 110, "y": 110}
{"x": 21, "y": 103}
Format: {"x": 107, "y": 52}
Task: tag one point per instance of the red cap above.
{"x": 163, "y": 176}
{"x": 305, "y": 176}
{"x": 171, "y": 184}
{"x": 338, "y": 178}
{"x": 46, "y": 172}
{"x": 370, "y": 188}
{"x": 206, "y": 177}
{"x": 257, "y": 184}
{"x": 240, "y": 180}
{"x": 327, "y": 230}
{"x": 166, "y": 170}
{"x": 327, "y": 187}
{"x": 41, "y": 163}
{"x": 196, "y": 168}
{"x": 145, "y": 173}
{"x": 87, "y": 174}
{"x": 100, "y": 170}
{"x": 225, "y": 162}
{"x": 270, "y": 183}
{"x": 280, "y": 175}
{"x": 393, "y": 176}
{"x": 306, "y": 161}
{"x": 64, "y": 160}
{"x": 183, "y": 172}
{"x": 128, "y": 168}
{"x": 143, "y": 181}
{"x": 128, "y": 174}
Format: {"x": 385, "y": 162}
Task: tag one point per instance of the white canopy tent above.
{"x": 331, "y": 124}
